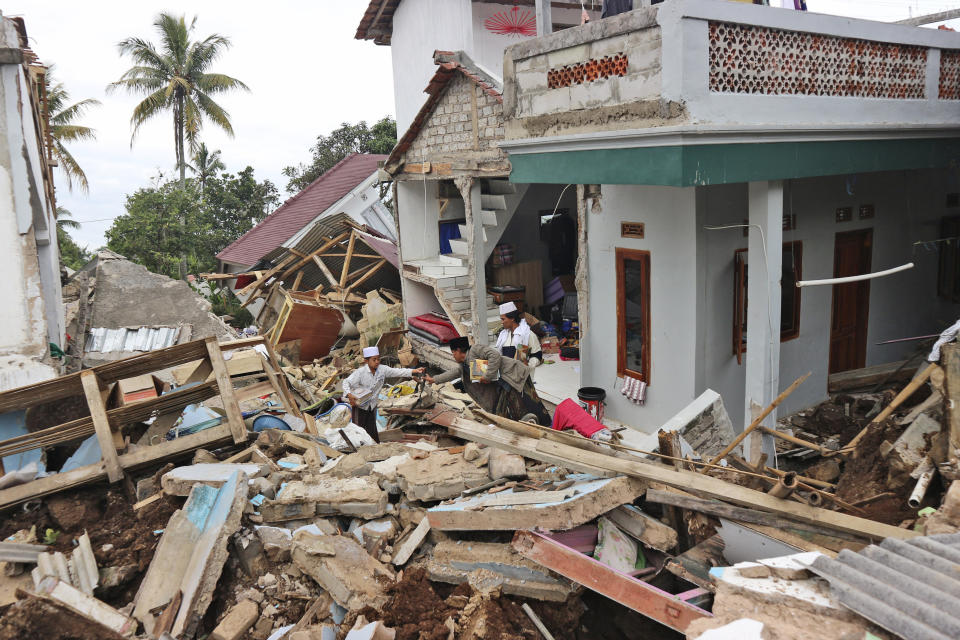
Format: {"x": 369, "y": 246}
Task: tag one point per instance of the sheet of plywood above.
{"x": 316, "y": 327}
{"x": 523, "y": 274}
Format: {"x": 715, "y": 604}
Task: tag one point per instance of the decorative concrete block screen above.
{"x": 589, "y": 71}
{"x": 950, "y": 75}
{"x": 747, "y": 59}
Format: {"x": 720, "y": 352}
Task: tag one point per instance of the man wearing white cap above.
{"x": 362, "y": 389}
{"x": 516, "y": 340}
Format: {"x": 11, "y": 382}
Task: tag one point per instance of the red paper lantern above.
{"x": 512, "y": 23}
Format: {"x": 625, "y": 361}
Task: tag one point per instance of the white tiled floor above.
{"x": 558, "y": 381}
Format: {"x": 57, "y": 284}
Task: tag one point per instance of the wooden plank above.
{"x": 234, "y": 418}
{"x": 262, "y": 280}
{"x": 723, "y": 510}
{"x": 297, "y": 280}
{"x": 654, "y": 603}
{"x": 376, "y": 267}
{"x": 254, "y": 391}
{"x": 148, "y": 501}
{"x": 870, "y": 377}
{"x": 92, "y": 473}
{"x": 101, "y": 425}
{"x": 951, "y": 389}
{"x": 325, "y": 246}
{"x": 40, "y": 393}
{"x": 346, "y": 261}
{"x": 326, "y": 271}
{"x": 573, "y": 457}
{"x": 151, "y": 361}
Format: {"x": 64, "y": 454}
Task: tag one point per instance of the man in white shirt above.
{"x": 362, "y": 389}
{"x": 517, "y": 340}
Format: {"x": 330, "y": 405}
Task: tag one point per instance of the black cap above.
{"x": 460, "y": 343}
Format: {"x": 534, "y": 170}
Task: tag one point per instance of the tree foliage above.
{"x": 66, "y": 128}
{"x": 71, "y": 254}
{"x": 169, "y": 222}
{"x": 175, "y": 77}
{"x": 331, "y": 149}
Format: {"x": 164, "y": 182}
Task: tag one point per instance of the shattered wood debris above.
{"x": 460, "y": 523}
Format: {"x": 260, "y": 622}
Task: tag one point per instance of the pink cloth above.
{"x": 570, "y": 415}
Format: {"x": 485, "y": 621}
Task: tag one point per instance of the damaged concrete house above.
{"x": 687, "y": 140}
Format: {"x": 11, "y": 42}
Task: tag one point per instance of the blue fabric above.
{"x": 448, "y": 231}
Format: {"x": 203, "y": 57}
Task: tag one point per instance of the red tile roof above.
{"x": 377, "y": 21}
{"x": 299, "y": 210}
{"x": 449, "y": 64}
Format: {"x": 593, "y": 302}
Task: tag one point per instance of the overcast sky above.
{"x": 306, "y": 72}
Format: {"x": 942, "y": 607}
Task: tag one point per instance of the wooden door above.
{"x": 851, "y": 301}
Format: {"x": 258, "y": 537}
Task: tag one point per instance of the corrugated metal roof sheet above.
{"x": 911, "y": 588}
{"x": 138, "y": 339}
{"x": 295, "y": 213}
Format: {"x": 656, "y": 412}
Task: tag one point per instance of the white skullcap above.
{"x": 507, "y": 307}
{"x": 369, "y": 352}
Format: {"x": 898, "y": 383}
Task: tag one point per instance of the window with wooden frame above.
{"x": 792, "y": 257}
{"x": 948, "y": 276}
{"x": 633, "y": 313}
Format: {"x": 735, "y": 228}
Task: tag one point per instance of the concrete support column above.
{"x": 765, "y": 202}
{"x": 470, "y": 191}
{"x": 544, "y": 18}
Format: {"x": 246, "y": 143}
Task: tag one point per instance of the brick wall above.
{"x": 450, "y": 128}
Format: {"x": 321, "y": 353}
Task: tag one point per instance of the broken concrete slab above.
{"x": 438, "y": 476}
{"x": 406, "y": 547}
{"x": 352, "y": 577}
{"x": 55, "y": 590}
{"x": 276, "y": 542}
{"x": 362, "y": 630}
{"x": 643, "y": 527}
{"x": 179, "y": 481}
{"x": 703, "y": 424}
{"x": 591, "y": 497}
{"x": 321, "y": 495}
{"x": 505, "y": 465}
{"x": 453, "y": 561}
{"x": 191, "y": 554}
{"x": 909, "y": 450}
{"x": 237, "y": 622}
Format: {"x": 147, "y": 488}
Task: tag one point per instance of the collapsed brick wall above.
{"x": 450, "y": 128}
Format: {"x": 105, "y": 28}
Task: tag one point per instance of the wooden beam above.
{"x": 656, "y": 604}
{"x": 259, "y": 282}
{"x": 951, "y": 389}
{"x": 376, "y": 267}
{"x": 98, "y": 413}
{"x": 722, "y": 510}
{"x": 326, "y": 271}
{"x": 326, "y": 245}
{"x": 346, "y": 261}
{"x": 297, "y": 280}
{"x": 234, "y": 419}
{"x": 372, "y": 256}
{"x": 573, "y": 457}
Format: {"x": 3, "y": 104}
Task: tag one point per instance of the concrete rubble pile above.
{"x": 464, "y": 524}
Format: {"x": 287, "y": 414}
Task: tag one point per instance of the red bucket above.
{"x": 591, "y": 399}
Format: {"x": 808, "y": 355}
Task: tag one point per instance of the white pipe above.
{"x": 865, "y": 276}
{"x": 925, "y": 472}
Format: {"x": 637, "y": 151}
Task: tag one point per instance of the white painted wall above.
{"x": 421, "y": 27}
{"x": 669, "y": 215}
{"x": 418, "y": 211}
{"x": 32, "y": 313}
{"x": 908, "y": 206}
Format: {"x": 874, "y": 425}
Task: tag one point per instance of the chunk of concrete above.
{"x": 363, "y": 630}
{"x": 439, "y": 476}
{"x": 703, "y": 424}
{"x": 505, "y": 465}
{"x": 237, "y": 622}
{"x": 191, "y": 554}
{"x": 411, "y": 543}
{"x": 322, "y": 495}
{"x": 59, "y": 593}
{"x": 454, "y": 561}
{"x": 911, "y": 447}
{"x": 643, "y": 527}
{"x": 352, "y": 577}
{"x": 591, "y": 497}
{"x": 276, "y": 542}
{"x": 179, "y": 481}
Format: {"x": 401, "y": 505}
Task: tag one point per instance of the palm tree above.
{"x": 65, "y": 219}
{"x": 206, "y": 164}
{"x": 174, "y": 77}
{"x": 64, "y": 129}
